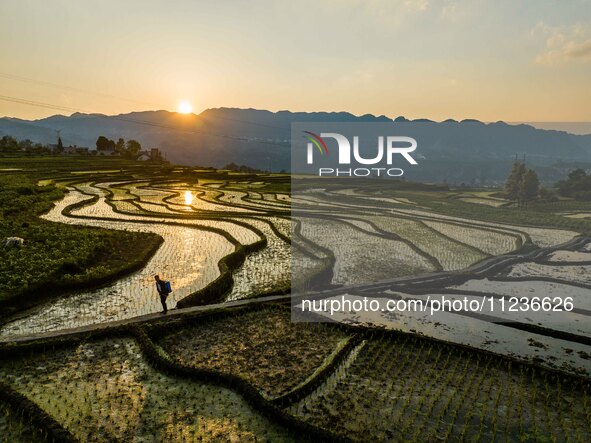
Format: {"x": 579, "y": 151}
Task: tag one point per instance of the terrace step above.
{"x": 172, "y": 315}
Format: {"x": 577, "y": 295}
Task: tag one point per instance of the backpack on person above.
{"x": 167, "y": 287}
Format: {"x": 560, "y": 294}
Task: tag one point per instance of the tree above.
{"x": 102, "y": 143}
{"x": 577, "y": 174}
{"x": 578, "y": 185}
{"x": 8, "y": 143}
{"x": 60, "y": 145}
{"x": 26, "y": 145}
{"x": 529, "y": 186}
{"x": 133, "y": 149}
{"x": 513, "y": 183}
{"x": 120, "y": 146}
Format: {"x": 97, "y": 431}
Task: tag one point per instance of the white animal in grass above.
{"x": 14, "y": 242}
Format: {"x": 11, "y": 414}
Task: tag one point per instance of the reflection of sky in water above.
{"x": 473, "y": 332}
{"x": 188, "y": 258}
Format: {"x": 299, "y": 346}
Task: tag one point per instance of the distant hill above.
{"x": 467, "y": 151}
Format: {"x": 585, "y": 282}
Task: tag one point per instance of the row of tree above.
{"x": 577, "y": 185}
{"x": 11, "y": 144}
{"x": 522, "y": 185}
{"x": 127, "y": 149}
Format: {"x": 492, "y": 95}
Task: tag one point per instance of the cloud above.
{"x": 563, "y": 44}
{"x": 455, "y": 11}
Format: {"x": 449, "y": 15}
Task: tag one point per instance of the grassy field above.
{"x": 57, "y": 257}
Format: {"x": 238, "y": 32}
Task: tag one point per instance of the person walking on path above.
{"x": 163, "y": 289}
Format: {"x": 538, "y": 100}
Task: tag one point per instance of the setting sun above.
{"x": 185, "y": 107}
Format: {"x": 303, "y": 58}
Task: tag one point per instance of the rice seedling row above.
{"x": 542, "y": 237}
{"x": 387, "y": 258}
{"x": 14, "y": 428}
{"x": 490, "y": 242}
{"x": 452, "y": 255}
{"x": 332, "y": 382}
{"x": 252, "y": 345}
{"x": 455, "y": 395}
{"x": 105, "y": 391}
{"x": 264, "y": 271}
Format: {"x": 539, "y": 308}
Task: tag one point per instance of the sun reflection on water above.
{"x": 188, "y": 197}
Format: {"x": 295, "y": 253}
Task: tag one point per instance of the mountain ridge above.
{"x": 452, "y": 150}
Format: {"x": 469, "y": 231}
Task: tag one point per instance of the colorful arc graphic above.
{"x": 317, "y": 140}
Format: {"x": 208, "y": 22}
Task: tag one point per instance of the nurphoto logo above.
{"x": 387, "y": 148}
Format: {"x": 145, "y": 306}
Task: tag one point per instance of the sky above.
{"x": 517, "y": 61}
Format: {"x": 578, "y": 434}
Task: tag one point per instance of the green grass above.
{"x": 57, "y": 256}
{"x": 50, "y": 164}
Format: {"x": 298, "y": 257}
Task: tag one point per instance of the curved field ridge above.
{"x": 404, "y": 389}
{"x": 405, "y": 378}
{"x": 207, "y": 255}
{"x": 242, "y": 371}
{"x": 188, "y": 256}
{"x": 22, "y": 420}
{"x": 267, "y": 270}
{"x": 351, "y": 246}
{"x": 105, "y": 391}
{"x": 182, "y": 259}
{"x": 387, "y": 386}
{"x": 252, "y": 346}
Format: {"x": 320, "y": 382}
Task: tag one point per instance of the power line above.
{"x": 70, "y": 88}
{"x": 129, "y": 120}
{"x": 101, "y": 94}
{"x": 23, "y": 101}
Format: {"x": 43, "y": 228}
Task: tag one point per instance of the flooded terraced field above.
{"x": 247, "y": 369}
